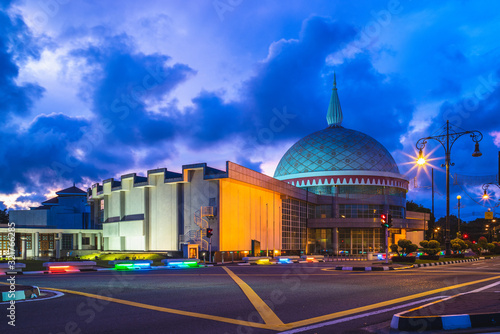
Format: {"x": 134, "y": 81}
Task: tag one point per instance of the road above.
{"x": 294, "y": 298}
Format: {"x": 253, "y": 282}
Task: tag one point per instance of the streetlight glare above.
{"x": 485, "y": 195}
{"x": 421, "y": 161}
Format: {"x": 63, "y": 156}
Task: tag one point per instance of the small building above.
{"x": 65, "y": 217}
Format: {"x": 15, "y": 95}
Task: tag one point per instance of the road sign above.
{"x": 488, "y": 215}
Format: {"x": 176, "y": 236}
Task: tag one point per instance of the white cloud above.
{"x": 496, "y": 137}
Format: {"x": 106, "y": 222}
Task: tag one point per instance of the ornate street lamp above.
{"x": 485, "y": 189}
{"x": 447, "y": 136}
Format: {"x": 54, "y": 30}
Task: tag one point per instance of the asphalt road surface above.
{"x": 292, "y": 298}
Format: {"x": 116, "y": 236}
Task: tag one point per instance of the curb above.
{"x": 364, "y": 268}
{"x": 442, "y": 263}
{"x": 445, "y": 322}
{"x": 31, "y": 292}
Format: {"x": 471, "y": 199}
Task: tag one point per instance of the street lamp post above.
{"x": 447, "y": 136}
{"x": 458, "y": 198}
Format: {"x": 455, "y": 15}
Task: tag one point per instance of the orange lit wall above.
{"x": 244, "y": 216}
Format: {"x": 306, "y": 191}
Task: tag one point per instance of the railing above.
{"x": 194, "y": 236}
{"x": 207, "y": 211}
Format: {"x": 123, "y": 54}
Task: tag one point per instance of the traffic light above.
{"x": 389, "y": 220}
{"x": 383, "y": 220}
{"x": 466, "y": 236}
{"x": 209, "y": 232}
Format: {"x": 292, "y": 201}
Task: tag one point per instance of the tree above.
{"x": 475, "y": 228}
{"x": 406, "y": 246}
{"x": 458, "y": 245}
{"x": 394, "y": 249}
{"x": 4, "y": 216}
{"x": 430, "y": 247}
{"x": 476, "y": 249}
{"x": 496, "y": 250}
{"x": 482, "y": 245}
{"x": 453, "y": 225}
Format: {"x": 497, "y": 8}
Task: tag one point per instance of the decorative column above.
{"x": 23, "y": 247}
{"x": 36, "y": 245}
{"x": 58, "y": 247}
{"x": 79, "y": 240}
{"x": 59, "y": 236}
{"x": 335, "y": 240}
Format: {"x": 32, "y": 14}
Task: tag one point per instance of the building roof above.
{"x": 336, "y": 149}
{"x": 334, "y": 115}
{"x": 71, "y": 191}
{"x": 52, "y": 201}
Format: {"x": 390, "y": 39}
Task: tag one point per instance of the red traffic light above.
{"x": 383, "y": 217}
{"x": 209, "y": 232}
{"x": 466, "y": 236}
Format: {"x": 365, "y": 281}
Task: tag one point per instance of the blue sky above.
{"x": 96, "y": 89}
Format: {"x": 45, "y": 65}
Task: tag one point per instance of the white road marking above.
{"x": 333, "y": 322}
{"x": 483, "y": 288}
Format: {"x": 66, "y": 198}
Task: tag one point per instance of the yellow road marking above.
{"x": 269, "y": 317}
{"x": 379, "y": 305}
{"x": 429, "y": 304}
{"x": 279, "y": 326}
{"x": 169, "y": 310}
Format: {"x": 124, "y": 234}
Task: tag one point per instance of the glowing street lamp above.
{"x": 420, "y": 159}
{"x": 486, "y": 196}
{"x": 447, "y": 136}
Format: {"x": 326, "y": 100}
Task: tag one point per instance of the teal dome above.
{"x": 336, "y": 149}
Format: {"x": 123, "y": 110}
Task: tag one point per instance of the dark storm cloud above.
{"x": 27, "y": 156}
{"x": 282, "y": 100}
{"x": 121, "y": 84}
{"x": 476, "y": 111}
{"x": 376, "y": 104}
{"x": 16, "y": 45}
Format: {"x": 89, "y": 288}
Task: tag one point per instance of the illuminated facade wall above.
{"x": 247, "y": 213}
{"x": 164, "y": 210}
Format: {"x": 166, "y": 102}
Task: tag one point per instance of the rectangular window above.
{"x": 397, "y": 211}
{"x": 29, "y": 239}
{"x": 4, "y": 243}
{"x": 360, "y": 210}
{"x": 67, "y": 241}
{"x": 324, "y": 211}
{"x": 294, "y": 218}
{"x": 85, "y": 241}
{"x": 360, "y": 241}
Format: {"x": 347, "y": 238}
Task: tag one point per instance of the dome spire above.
{"x": 334, "y": 115}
